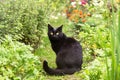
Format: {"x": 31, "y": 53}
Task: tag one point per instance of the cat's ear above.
{"x": 50, "y": 27}
{"x": 60, "y": 28}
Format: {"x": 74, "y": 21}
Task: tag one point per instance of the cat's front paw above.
{"x": 45, "y": 65}
{"x": 45, "y": 62}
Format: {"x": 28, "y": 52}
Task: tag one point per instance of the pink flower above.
{"x": 83, "y": 2}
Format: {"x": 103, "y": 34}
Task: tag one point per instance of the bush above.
{"x": 95, "y": 41}
{"x": 23, "y": 20}
{"x": 17, "y": 61}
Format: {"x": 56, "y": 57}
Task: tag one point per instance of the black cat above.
{"x": 68, "y": 53}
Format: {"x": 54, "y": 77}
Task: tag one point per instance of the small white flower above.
{"x": 98, "y": 3}
{"x": 73, "y": 4}
{"x": 63, "y": 14}
{"x": 54, "y": 17}
{"x": 79, "y": 3}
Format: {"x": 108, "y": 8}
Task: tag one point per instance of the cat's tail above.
{"x": 51, "y": 71}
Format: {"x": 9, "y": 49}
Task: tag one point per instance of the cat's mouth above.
{"x": 54, "y": 38}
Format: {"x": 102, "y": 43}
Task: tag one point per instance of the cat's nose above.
{"x": 54, "y": 36}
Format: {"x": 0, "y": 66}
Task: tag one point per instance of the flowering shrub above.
{"x": 77, "y": 12}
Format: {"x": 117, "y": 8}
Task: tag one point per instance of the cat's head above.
{"x": 55, "y": 33}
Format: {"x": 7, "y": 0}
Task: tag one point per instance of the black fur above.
{"x": 68, "y": 53}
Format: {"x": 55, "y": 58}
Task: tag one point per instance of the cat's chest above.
{"x": 56, "y": 47}
{"x": 61, "y": 46}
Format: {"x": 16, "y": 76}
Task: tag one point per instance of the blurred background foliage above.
{"x": 24, "y": 43}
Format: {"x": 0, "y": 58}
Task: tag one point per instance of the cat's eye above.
{"x": 57, "y": 33}
{"x": 51, "y": 33}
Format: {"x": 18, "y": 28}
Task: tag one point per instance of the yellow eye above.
{"x": 57, "y": 33}
{"x": 51, "y": 33}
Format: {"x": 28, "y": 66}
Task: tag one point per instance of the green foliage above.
{"x": 17, "y": 61}
{"x": 94, "y": 70}
{"x": 113, "y": 73}
{"x": 23, "y": 20}
{"x": 95, "y": 40}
